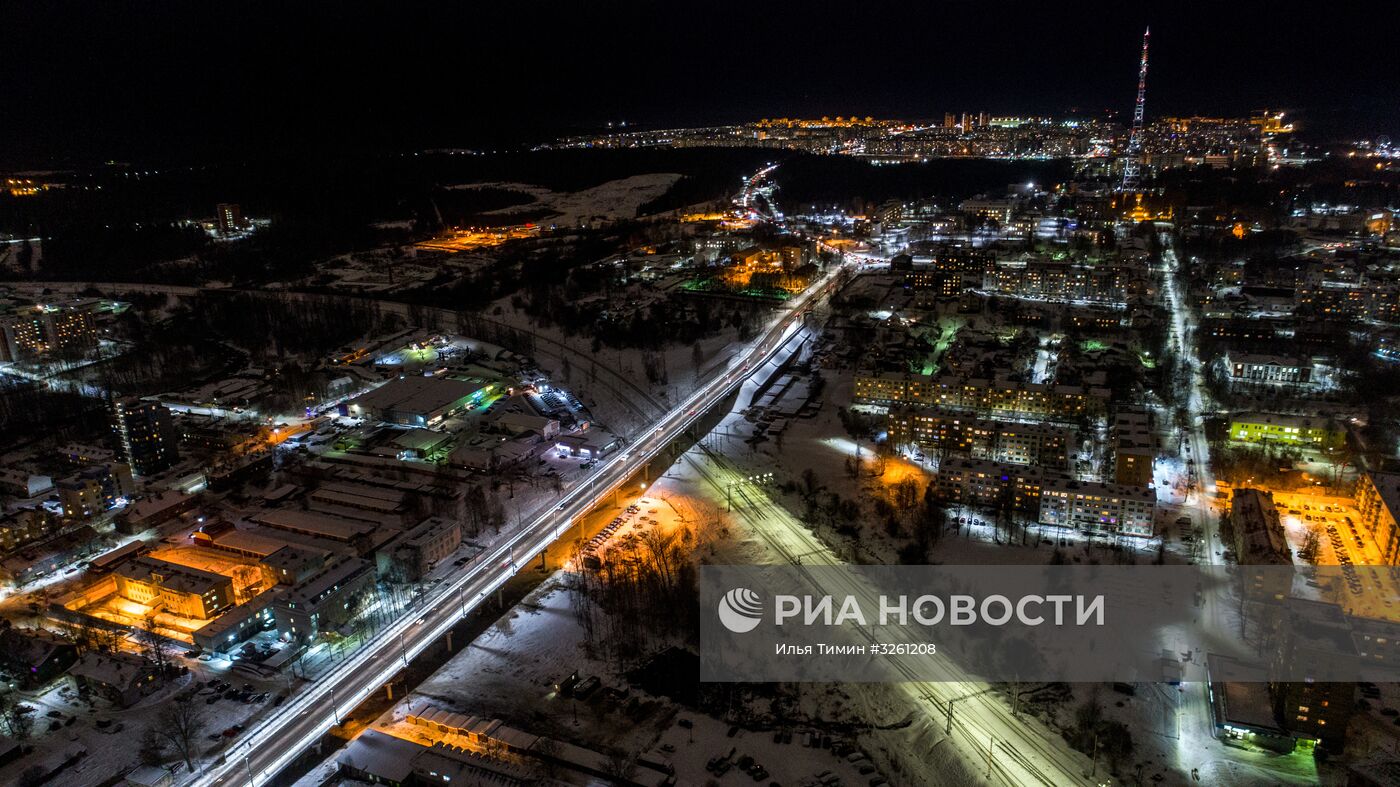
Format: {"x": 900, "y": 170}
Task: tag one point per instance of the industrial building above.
{"x": 324, "y": 601}
{"x": 412, "y": 555}
{"x": 417, "y": 401}
{"x": 174, "y": 588}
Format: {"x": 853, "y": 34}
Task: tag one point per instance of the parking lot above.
{"x": 1342, "y": 542}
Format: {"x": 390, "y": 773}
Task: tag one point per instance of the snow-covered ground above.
{"x": 114, "y": 748}
{"x": 611, "y": 201}
{"x": 509, "y": 673}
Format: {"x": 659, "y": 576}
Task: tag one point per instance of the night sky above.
{"x": 150, "y": 81}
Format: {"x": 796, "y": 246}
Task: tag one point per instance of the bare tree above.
{"x": 180, "y": 724}
{"x": 548, "y": 750}
{"x": 33, "y": 776}
{"x": 18, "y": 717}
{"x": 153, "y": 647}
{"x": 620, "y": 766}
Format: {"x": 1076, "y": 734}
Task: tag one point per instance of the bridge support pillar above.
{"x": 389, "y": 688}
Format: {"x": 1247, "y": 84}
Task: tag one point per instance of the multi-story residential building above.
{"x": 983, "y": 397}
{"x": 948, "y": 271}
{"x": 80, "y": 455}
{"x": 1134, "y": 448}
{"x": 960, "y": 434}
{"x": 1063, "y": 281}
{"x": 1315, "y": 637}
{"x": 986, "y": 484}
{"x": 148, "y": 440}
{"x": 1347, "y": 299}
{"x": 33, "y": 561}
{"x": 228, "y": 218}
{"x": 1094, "y": 507}
{"x": 31, "y": 332}
{"x": 1094, "y": 320}
{"x": 25, "y": 526}
{"x": 1051, "y": 498}
{"x": 94, "y": 490}
{"x": 174, "y": 588}
{"x": 1291, "y": 430}
{"x": 1259, "y": 537}
{"x": 929, "y": 285}
{"x": 1378, "y": 504}
{"x": 1255, "y": 333}
{"x": 891, "y": 388}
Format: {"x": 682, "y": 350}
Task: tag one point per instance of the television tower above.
{"x": 1132, "y": 168}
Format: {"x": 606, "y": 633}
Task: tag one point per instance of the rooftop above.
{"x": 172, "y": 575}
{"x": 1280, "y": 419}
{"x": 1241, "y": 694}
{"x": 320, "y": 525}
{"x": 316, "y": 588}
{"x": 416, "y": 395}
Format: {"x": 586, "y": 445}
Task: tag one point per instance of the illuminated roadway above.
{"x": 1023, "y": 751}
{"x": 306, "y": 716}
{"x": 1183, "y": 334}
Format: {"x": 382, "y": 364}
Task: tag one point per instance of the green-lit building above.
{"x": 1291, "y": 430}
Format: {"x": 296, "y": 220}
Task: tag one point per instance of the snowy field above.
{"x": 611, "y": 201}
{"x": 509, "y": 672}
{"x": 98, "y": 753}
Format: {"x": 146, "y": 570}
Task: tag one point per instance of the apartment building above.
{"x": 960, "y": 434}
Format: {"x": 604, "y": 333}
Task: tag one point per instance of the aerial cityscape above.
{"x": 620, "y": 397}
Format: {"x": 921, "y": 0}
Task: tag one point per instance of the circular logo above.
{"x": 741, "y": 610}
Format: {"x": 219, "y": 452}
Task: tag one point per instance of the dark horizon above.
{"x": 161, "y": 82}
